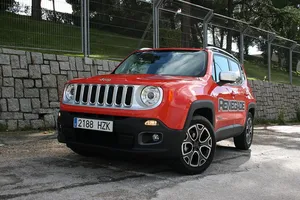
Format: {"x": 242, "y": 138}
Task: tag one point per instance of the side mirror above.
{"x": 229, "y": 77}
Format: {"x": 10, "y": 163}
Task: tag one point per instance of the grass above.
{"x": 255, "y": 72}
{"x": 17, "y": 30}
{"x": 49, "y": 37}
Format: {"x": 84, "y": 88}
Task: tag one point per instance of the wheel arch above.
{"x": 204, "y": 108}
{"x": 251, "y": 109}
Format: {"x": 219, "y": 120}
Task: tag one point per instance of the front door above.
{"x": 239, "y": 89}
{"x": 225, "y": 118}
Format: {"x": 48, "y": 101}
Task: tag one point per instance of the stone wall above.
{"x": 31, "y": 85}
{"x": 275, "y": 98}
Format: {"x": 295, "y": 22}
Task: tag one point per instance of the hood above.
{"x": 135, "y": 79}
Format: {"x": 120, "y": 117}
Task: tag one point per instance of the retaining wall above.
{"x": 275, "y": 98}
{"x": 31, "y": 85}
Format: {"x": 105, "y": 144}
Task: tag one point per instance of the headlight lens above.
{"x": 150, "y": 95}
{"x": 70, "y": 92}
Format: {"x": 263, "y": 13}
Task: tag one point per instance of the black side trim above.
{"x": 251, "y": 105}
{"x": 198, "y": 105}
{"x": 228, "y": 132}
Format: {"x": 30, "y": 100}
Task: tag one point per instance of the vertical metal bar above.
{"x": 88, "y": 27}
{"x": 82, "y": 26}
{"x": 271, "y": 38}
{"x": 85, "y": 51}
{"x": 206, "y": 20}
{"x": 155, "y": 26}
{"x": 205, "y": 34}
{"x": 156, "y": 5}
{"x": 242, "y": 48}
{"x": 291, "y": 61}
{"x": 269, "y": 60}
{"x": 291, "y": 66}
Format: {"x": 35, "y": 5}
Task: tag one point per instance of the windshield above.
{"x": 173, "y": 63}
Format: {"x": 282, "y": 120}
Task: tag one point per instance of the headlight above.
{"x": 150, "y": 95}
{"x": 70, "y": 92}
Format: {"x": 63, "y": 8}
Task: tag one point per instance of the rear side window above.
{"x": 235, "y": 67}
{"x": 220, "y": 65}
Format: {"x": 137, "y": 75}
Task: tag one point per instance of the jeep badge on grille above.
{"x": 105, "y": 79}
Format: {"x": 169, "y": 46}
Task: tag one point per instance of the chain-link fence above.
{"x": 41, "y": 25}
{"x": 266, "y": 56}
{"x": 119, "y": 27}
{"x": 113, "y": 28}
{"x": 103, "y": 28}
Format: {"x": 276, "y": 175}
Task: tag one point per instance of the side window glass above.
{"x": 220, "y": 65}
{"x": 236, "y": 68}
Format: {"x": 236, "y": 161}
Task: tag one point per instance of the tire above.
{"x": 197, "y": 148}
{"x": 82, "y": 151}
{"x": 244, "y": 140}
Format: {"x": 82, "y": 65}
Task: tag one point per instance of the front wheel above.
{"x": 198, "y": 147}
{"x": 244, "y": 140}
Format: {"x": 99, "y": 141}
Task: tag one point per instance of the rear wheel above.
{"x": 244, "y": 140}
{"x": 198, "y": 147}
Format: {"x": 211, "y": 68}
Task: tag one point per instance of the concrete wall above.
{"x": 32, "y": 83}
{"x": 273, "y": 98}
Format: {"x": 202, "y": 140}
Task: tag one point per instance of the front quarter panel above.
{"x": 179, "y": 100}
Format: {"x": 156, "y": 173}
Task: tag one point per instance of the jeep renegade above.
{"x": 173, "y": 102}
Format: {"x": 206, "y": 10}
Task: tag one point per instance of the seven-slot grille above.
{"x": 103, "y": 95}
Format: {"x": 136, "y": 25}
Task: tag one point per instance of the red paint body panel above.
{"x": 179, "y": 92}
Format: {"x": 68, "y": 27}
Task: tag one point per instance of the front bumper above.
{"x": 128, "y": 135}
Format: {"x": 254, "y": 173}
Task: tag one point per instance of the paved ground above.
{"x": 36, "y": 166}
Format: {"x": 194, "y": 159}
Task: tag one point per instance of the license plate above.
{"x": 92, "y": 124}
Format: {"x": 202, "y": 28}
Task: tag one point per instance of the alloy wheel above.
{"x": 249, "y": 131}
{"x": 197, "y": 145}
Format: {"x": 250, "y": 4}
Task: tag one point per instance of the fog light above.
{"x": 151, "y": 123}
{"x": 59, "y": 114}
{"x": 155, "y": 137}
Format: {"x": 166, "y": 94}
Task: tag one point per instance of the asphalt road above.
{"x": 36, "y": 166}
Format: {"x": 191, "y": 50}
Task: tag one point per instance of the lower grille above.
{"x": 104, "y": 95}
{"x": 103, "y": 139}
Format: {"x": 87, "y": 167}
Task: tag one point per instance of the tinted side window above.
{"x": 221, "y": 65}
{"x": 236, "y": 68}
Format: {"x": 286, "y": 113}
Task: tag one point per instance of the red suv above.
{"x": 173, "y": 102}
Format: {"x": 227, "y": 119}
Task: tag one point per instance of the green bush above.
{"x": 281, "y": 120}
{"x": 298, "y": 112}
{"x": 3, "y": 127}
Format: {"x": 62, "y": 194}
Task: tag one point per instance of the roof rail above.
{"x": 145, "y": 48}
{"x": 221, "y": 51}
